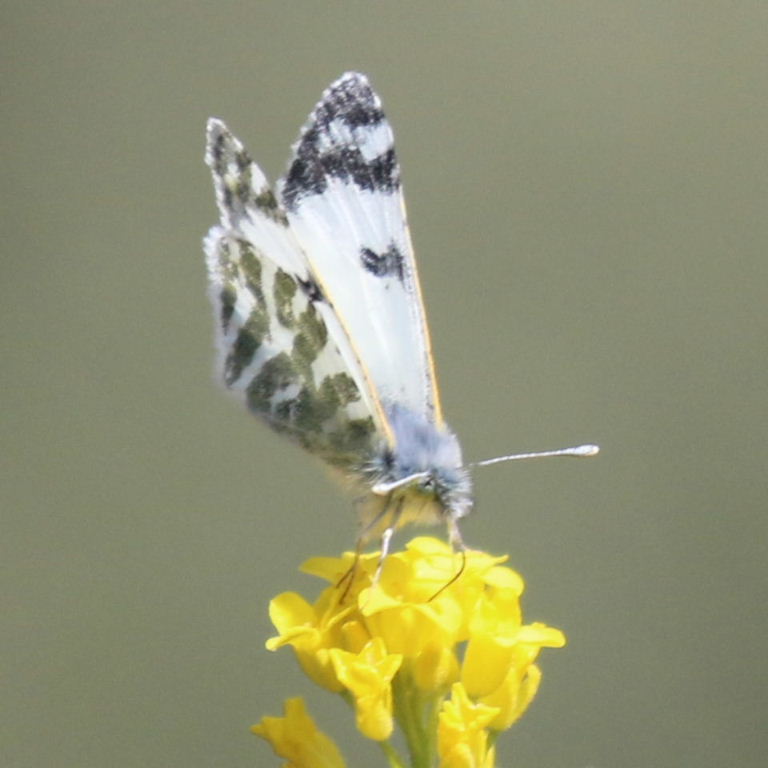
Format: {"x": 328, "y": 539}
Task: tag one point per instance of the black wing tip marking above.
{"x": 351, "y": 100}
{"x": 323, "y": 152}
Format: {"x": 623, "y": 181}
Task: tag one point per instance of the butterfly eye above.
{"x": 428, "y": 484}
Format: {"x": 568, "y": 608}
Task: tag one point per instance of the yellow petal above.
{"x": 355, "y": 635}
{"x": 408, "y": 628}
{"x": 541, "y": 635}
{"x": 486, "y": 664}
{"x": 462, "y": 735}
{"x": 288, "y": 611}
{"x": 435, "y": 668}
{"x": 332, "y": 569}
{"x": 513, "y": 697}
{"x": 296, "y": 738}
{"x": 505, "y": 578}
{"x": 368, "y": 677}
{"x": 311, "y": 630}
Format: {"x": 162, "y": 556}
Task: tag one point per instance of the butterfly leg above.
{"x": 454, "y": 536}
{"x": 348, "y": 577}
{"x": 386, "y": 539}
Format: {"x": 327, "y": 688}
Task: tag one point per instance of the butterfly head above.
{"x": 422, "y": 479}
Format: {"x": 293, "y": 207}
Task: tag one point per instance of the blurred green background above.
{"x": 587, "y": 186}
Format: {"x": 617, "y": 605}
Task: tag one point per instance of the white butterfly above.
{"x": 320, "y": 319}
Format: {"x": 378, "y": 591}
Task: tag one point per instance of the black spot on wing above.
{"x": 388, "y": 263}
{"x": 311, "y": 289}
{"x": 380, "y": 174}
{"x": 312, "y": 169}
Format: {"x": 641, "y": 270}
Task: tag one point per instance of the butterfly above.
{"x": 320, "y": 324}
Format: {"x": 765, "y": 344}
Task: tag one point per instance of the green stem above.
{"x": 392, "y": 755}
{"x": 416, "y": 716}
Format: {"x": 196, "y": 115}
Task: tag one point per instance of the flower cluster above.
{"x": 447, "y": 660}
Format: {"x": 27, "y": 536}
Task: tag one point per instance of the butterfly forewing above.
{"x": 342, "y": 196}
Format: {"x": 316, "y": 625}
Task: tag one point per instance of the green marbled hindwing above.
{"x": 278, "y": 355}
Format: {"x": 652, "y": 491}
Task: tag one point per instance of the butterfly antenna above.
{"x": 580, "y": 451}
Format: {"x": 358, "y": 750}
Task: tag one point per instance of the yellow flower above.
{"x": 435, "y": 644}
{"x": 312, "y": 630}
{"x": 296, "y": 738}
{"x": 417, "y": 602}
{"x": 462, "y": 737}
{"x": 368, "y": 676}
{"x": 513, "y": 696}
{"x": 499, "y": 643}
